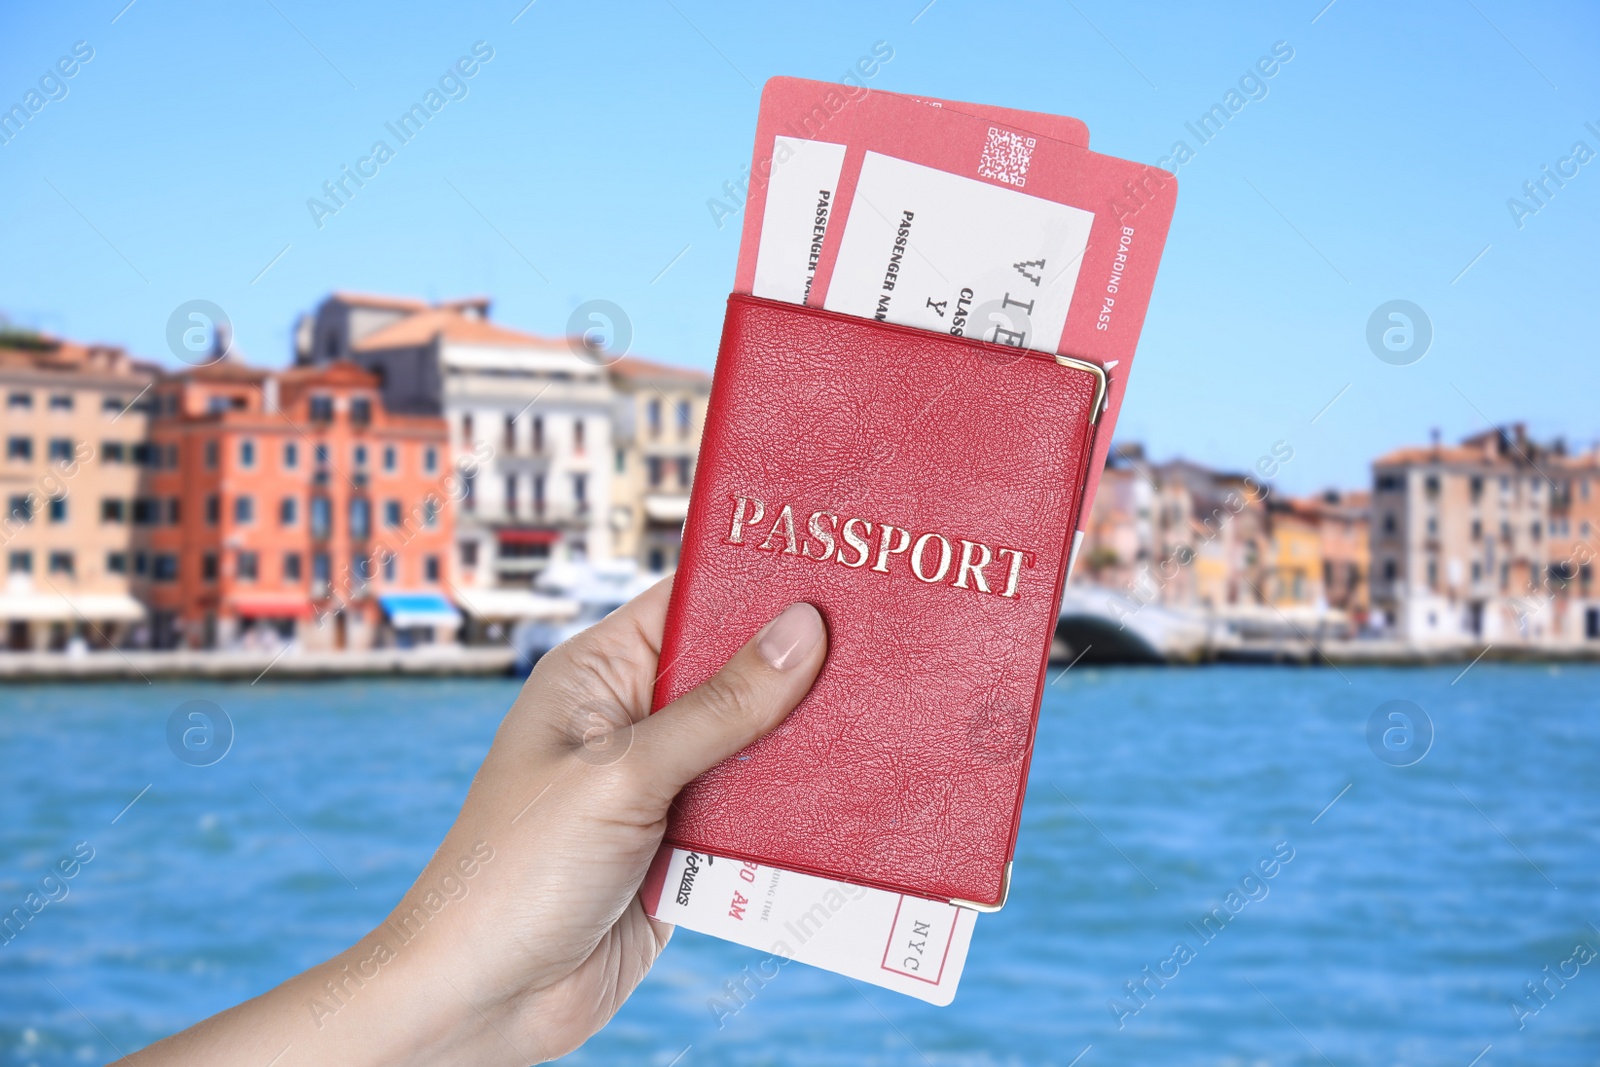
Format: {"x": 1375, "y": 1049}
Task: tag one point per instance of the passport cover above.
{"x": 921, "y": 490}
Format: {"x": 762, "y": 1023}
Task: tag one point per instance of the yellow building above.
{"x": 660, "y": 414}
{"x": 75, "y": 450}
{"x": 1294, "y": 562}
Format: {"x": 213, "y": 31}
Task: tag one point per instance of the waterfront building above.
{"x": 1293, "y": 573}
{"x": 660, "y": 415}
{"x": 534, "y": 415}
{"x": 292, "y": 505}
{"x": 1485, "y": 541}
{"x": 1344, "y": 534}
{"x": 74, "y": 438}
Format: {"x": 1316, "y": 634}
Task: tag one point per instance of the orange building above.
{"x": 292, "y": 506}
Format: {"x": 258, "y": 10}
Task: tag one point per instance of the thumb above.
{"x": 749, "y": 696}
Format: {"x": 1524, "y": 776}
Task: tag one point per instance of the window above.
{"x": 19, "y": 448}
{"x": 388, "y": 457}
{"x": 389, "y": 567}
{"x": 143, "y": 456}
{"x": 320, "y": 568}
{"x": 621, "y": 461}
{"x": 208, "y": 567}
{"x": 430, "y": 459}
{"x": 288, "y": 511}
{"x": 164, "y": 567}
{"x": 1391, "y": 482}
{"x": 113, "y": 452}
{"x": 321, "y": 517}
{"x": 112, "y": 404}
{"x": 580, "y": 491}
{"x": 1535, "y": 530}
{"x": 244, "y": 509}
{"x": 211, "y": 455}
{"x": 466, "y": 429}
{"x": 291, "y": 566}
{"x": 321, "y": 455}
{"x": 172, "y": 511}
{"x": 1477, "y": 530}
{"x": 61, "y": 448}
{"x": 322, "y": 409}
{"x": 361, "y": 410}
{"x": 652, "y": 415}
{"x": 213, "y": 510}
{"x": 20, "y": 402}
{"x": 360, "y": 517}
{"x": 247, "y": 453}
{"x": 653, "y": 467}
{"x": 1432, "y": 485}
{"x": 20, "y": 507}
{"x": 469, "y": 491}
{"x": 247, "y": 567}
{"x": 58, "y": 509}
{"x": 1389, "y": 570}
{"x": 511, "y": 495}
{"x": 658, "y": 561}
{"x": 1505, "y": 531}
{"x": 61, "y": 563}
{"x": 538, "y": 494}
{"x": 1388, "y": 522}
{"x": 683, "y": 472}
{"x": 113, "y": 510}
{"x": 358, "y": 455}
{"x": 141, "y": 563}
{"x": 116, "y": 563}
{"x": 469, "y": 553}
{"x": 391, "y": 514}
{"x": 144, "y": 511}
{"x": 538, "y": 433}
{"x": 61, "y": 402}
{"x": 577, "y": 436}
{"x": 20, "y": 562}
{"x": 430, "y": 568}
{"x": 1477, "y": 571}
{"x": 430, "y": 512}
{"x": 511, "y": 433}
{"x": 685, "y": 418}
{"x": 291, "y": 455}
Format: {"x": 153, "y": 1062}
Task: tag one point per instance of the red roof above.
{"x": 422, "y": 327}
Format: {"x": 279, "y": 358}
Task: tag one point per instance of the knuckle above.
{"x": 724, "y": 696}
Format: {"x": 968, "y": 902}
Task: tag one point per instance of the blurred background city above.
{"x": 326, "y": 444}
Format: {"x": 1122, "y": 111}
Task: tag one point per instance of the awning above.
{"x": 57, "y": 607}
{"x": 666, "y": 508}
{"x": 529, "y": 537}
{"x": 286, "y": 606}
{"x": 514, "y": 604}
{"x": 406, "y": 610}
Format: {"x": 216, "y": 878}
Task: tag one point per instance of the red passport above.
{"x": 921, "y": 490}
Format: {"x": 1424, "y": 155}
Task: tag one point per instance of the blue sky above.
{"x": 579, "y": 164}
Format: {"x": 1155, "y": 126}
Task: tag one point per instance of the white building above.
{"x": 536, "y": 418}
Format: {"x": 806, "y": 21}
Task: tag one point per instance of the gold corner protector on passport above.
{"x": 1005, "y": 888}
{"x": 1099, "y": 383}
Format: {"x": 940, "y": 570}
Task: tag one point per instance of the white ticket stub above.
{"x": 910, "y": 945}
{"x": 805, "y": 177}
{"x": 926, "y": 248}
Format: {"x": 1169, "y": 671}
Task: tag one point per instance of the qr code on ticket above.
{"x": 1006, "y": 156}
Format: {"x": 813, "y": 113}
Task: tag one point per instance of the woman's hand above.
{"x": 525, "y": 934}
